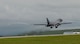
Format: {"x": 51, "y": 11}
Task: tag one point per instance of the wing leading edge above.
{"x": 40, "y": 24}
{"x": 67, "y": 23}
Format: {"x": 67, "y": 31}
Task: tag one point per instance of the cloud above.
{"x": 29, "y": 10}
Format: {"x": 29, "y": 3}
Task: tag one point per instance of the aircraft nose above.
{"x": 60, "y": 20}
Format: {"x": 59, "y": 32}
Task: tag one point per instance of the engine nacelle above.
{"x": 58, "y": 24}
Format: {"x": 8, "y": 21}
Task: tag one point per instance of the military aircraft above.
{"x": 55, "y": 24}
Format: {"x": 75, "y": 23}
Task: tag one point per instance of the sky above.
{"x": 17, "y": 16}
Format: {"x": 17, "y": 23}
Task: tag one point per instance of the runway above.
{"x": 34, "y": 36}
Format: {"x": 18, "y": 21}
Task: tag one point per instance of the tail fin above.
{"x": 47, "y": 21}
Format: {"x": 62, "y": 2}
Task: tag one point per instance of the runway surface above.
{"x": 33, "y": 36}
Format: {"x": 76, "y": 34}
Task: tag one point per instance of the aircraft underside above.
{"x": 51, "y": 26}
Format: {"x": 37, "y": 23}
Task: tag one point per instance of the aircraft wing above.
{"x": 40, "y": 24}
{"x": 67, "y": 23}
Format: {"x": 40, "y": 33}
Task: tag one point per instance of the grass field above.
{"x": 67, "y": 39}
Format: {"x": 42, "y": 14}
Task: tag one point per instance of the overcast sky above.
{"x": 32, "y": 9}
{"x": 18, "y": 15}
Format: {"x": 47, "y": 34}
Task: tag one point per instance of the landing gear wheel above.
{"x": 51, "y": 27}
{"x": 56, "y": 27}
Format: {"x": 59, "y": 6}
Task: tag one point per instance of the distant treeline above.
{"x": 46, "y": 32}
{"x": 50, "y": 32}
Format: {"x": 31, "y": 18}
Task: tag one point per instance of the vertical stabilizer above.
{"x": 47, "y": 21}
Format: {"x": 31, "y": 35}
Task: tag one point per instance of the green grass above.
{"x": 67, "y": 39}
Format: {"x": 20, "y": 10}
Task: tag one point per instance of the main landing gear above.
{"x": 56, "y": 26}
{"x": 51, "y": 27}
